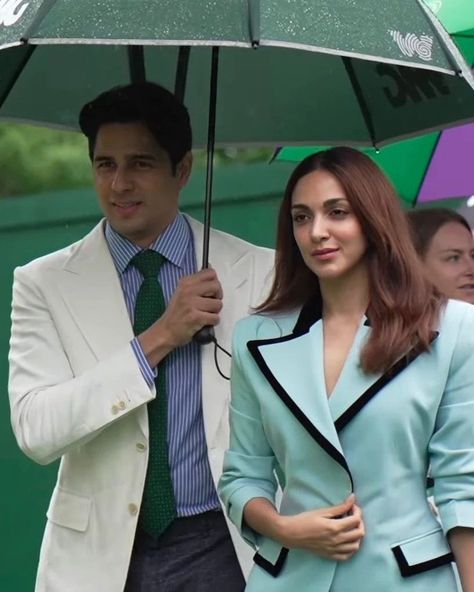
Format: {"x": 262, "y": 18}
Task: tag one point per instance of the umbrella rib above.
{"x": 181, "y": 72}
{"x": 254, "y": 22}
{"x": 29, "y": 50}
{"x": 427, "y": 168}
{"x": 41, "y": 13}
{"x": 364, "y": 108}
{"x": 444, "y": 38}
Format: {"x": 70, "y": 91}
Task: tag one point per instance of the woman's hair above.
{"x": 403, "y": 307}
{"x": 424, "y": 224}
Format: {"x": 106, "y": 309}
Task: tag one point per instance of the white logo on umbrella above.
{"x": 410, "y": 44}
{"x": 11, "y": 11}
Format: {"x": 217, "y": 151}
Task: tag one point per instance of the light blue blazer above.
{"x": 376, "y": 435}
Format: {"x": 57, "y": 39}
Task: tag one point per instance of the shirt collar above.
{"x": 173, "y": 244}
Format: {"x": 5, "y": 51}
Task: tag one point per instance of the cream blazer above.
{"x": 77, "y": 393}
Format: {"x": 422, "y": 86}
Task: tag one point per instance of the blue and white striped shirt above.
{"x": 192, "y": 480}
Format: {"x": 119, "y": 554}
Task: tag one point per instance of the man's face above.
{"x": 133, "y": 177}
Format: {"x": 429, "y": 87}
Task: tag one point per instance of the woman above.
{"x": 353, "y": 377}
{"x": 444, "y": 241}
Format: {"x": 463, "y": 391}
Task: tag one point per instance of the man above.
{"x": 105, "y": 373}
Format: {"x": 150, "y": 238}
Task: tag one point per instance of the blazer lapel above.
{"x": 234, "y": 275}
{"x": 91, "y": 290}
{"x": 355, "y": 388}
{"x": 292, "y": 366}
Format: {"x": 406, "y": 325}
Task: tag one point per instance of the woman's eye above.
{"x": 299, "y": 218}
{"x": 453, "y": 258}
{"x": 338, "y": 213}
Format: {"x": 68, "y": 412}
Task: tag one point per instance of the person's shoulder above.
{"x": 57, "y": 259}
{"x": 263, "y": 326}
{"x": 456, "y": 323}
{"x": 231, "y": 242}
{"x": 456, "y": 312}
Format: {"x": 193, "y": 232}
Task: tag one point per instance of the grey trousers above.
{"x": 194, "y": 554}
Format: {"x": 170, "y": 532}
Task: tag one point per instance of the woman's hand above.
{"x": 335, "y": 532}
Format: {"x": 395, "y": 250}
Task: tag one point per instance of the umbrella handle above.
{"x": 205, "y": 335}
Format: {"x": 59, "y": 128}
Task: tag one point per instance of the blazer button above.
{"x": 133, "y": 509}
{"x": 122, "y": 405}
{"x": 141, "y": 447}
{"x": 115, "y": 409}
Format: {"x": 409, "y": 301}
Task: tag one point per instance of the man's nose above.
{"x": 122, "y": 180}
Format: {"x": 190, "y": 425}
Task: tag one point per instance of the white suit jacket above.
{"x": 77, "y": 392}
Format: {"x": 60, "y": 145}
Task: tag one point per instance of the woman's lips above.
{"x": 323, "y": 254}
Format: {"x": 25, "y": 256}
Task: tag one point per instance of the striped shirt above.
{"x": 191, "y": 475}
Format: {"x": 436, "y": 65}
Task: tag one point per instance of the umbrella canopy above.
{"x": 321, "y": 70}
{"x": 436, "y": 166}
{"x": 424, "y": 169}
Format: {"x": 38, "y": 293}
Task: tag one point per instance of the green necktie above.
{"x": 158, "y": 508}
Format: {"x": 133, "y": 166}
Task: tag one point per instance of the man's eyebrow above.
{"x": 134, "y": 156}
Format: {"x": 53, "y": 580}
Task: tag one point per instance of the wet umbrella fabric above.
{"x": 323, "y": 71}
{"x": 436, "y": 166}
{"x": 428, "y": 168}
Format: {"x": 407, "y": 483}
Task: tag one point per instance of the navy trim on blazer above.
{"x": 407, "y": 570}
{"x": 272, "y": 568}
{"x": 292, "y": 406}
{"x": 389, "y": 375}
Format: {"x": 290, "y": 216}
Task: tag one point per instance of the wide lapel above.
{"x": 91, "y": 290}
{"x": 355, "y": 389}
{"x": 233, "y": 270}
{"x": 353, "y": 381}
{"x": 291, "y": 364}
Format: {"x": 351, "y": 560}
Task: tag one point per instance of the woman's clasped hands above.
{"x": 335, "y": 532}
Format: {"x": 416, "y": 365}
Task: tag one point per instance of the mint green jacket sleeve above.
{"x": 452, "y": 444}
{"x": 249, "y": 463}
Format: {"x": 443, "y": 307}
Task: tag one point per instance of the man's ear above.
{"x": 183, "y": 169}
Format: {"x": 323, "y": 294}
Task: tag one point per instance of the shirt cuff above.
{"x": 149, "y": 374}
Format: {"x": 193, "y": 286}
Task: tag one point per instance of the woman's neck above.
{"x": 347, "y": 296}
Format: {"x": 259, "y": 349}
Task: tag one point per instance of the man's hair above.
{"x": 147, "y": 103}
{"x": 424, "y": 224}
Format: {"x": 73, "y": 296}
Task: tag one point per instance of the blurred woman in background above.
{"x": 444, "y": 241}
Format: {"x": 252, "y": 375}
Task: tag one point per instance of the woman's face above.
{"x": 449, "y": 261}
{"x": 325, "y": 228}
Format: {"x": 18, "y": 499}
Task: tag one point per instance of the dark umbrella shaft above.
{"x": 206, "y": 334}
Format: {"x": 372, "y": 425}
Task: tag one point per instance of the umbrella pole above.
{"x": 206, "y": 334}
{"x": 211, "y": 140}
{"x": 136, "y": 63}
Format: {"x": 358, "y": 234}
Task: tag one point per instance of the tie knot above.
{"x": 148, "y": 263}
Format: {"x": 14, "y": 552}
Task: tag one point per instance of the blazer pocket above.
{"x": 271, "y": 556}
{"x": 69, "y": 510}
{"x": 422, "y": 553}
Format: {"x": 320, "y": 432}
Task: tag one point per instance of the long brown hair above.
{"x": 403, "y": 308}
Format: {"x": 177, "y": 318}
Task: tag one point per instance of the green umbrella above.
{"x": 290, "y": 71}
{"x": 436, "y": 166}
{"x": 321, "y": 70}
